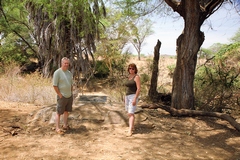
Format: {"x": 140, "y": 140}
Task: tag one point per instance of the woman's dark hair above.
{"x": 133, "y": 65}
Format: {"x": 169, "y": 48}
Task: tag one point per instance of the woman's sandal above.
{"x": 129, "y": 134}
{"x": 59, "y": 131}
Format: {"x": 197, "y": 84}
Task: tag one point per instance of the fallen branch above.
{"x": 191, "y": 113}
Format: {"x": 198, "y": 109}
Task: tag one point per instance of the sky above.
{"x": 218, "y": 28}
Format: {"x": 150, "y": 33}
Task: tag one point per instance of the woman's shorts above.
{"x": 128, "y": 103}
{"x": 64, "y": 104}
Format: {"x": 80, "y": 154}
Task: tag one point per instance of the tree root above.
{"x": 192, "y": 113}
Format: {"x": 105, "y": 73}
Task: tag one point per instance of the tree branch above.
{"x": 175, "y": 5}
{"x": 209, "y": 8}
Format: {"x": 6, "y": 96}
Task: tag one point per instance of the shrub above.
{"x": 101, "y": 70}
{"x": 217, "y": 82}
{"x": 144, "y": 78}
{"x": 171, "y": 69}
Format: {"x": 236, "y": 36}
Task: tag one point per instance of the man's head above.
{"x": 65, "y": 63}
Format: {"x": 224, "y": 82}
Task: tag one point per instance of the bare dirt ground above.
{"x": 98, "y": 131}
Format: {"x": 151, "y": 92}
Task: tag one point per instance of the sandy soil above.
{"x": 98, "y": 131}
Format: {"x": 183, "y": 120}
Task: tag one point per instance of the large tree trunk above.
{"x": 153, "y": 86}
{"x": 53, "y": 39}
{"x": 188, "y": 44}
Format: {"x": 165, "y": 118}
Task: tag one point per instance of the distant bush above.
{"x": 145, "y": 78}
{"x": 171, "y": 69}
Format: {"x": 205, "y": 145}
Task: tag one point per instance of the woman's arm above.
{"x": 138, "y": 84}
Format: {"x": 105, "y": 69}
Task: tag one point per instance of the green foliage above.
{"x": 101, "y": 69}
{"x": 142, "y": 7}
{"x": 112, "y": 58}
{"x": 236, "y": 37}
{"x": 15, "y": 38}
{"x": 217, "y": 82}
{"x": 162, "y": 89}
{"x": 211, "y": 51}
{"x": 145, "y": 78}
{"x": 12, "y": 52}
{"x": 228, "y": 50}
{"x": 205, "y": 53}
{"x": 171, "y": 69}
{"x": 150, "y": 65}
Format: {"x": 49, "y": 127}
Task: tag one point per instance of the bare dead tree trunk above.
{"x": 152, "y": 93}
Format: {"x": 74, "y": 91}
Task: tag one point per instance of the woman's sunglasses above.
{"x": 131, "y": 68}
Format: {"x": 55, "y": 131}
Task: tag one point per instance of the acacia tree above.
{"x": 139, "y": 32}
{"x": 194, "y": 13}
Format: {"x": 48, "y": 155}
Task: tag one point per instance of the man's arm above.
{"x": 57, "y": 91}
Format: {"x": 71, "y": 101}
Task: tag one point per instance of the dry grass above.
{"x": 31, "y": 88}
